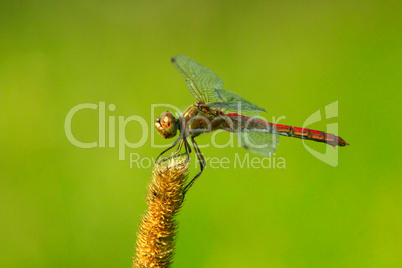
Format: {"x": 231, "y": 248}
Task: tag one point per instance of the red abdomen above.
{"x": 243, "y": 122}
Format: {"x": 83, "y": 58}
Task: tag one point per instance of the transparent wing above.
{"x": 203, "y": 84}
{"x": 229, "y": 102}
{"x": 261, "y": 143}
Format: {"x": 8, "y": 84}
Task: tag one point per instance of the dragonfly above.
{"x": 219, "y": 109}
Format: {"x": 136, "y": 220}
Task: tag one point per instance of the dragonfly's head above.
{"x": 167, "y": 125}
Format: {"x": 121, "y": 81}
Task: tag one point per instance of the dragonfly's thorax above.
{"x": 199, "y": 118}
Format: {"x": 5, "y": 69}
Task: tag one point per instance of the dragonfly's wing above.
{"x": 230, "y": 102}
{"x": 204, "y": 85}
{"x": 261, "y": 143}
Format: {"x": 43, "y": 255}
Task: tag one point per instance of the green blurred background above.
{"x": 63, "y": 206}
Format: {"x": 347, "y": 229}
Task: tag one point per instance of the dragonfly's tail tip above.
{"x": 341, "y": 144}
{"x": 345, "y": 144}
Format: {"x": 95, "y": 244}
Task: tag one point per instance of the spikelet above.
{"x": 156, "y": 237}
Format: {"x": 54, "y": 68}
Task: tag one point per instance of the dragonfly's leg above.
{"x": 177, "y": 154}
{"x": 201, "y": 160}
{"x": 186, "y": 153}
{"x": 173, "y": 145}
{"x": 188, "y": 150}
{"x": 183, "y": 141}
